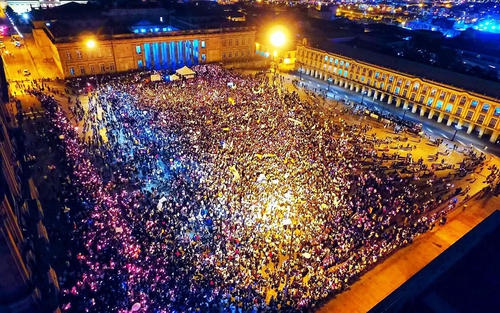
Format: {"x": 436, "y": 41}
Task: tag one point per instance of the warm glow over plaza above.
{"x": 263, "y": 156}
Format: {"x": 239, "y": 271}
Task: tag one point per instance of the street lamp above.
{"x": 404, "y": 112}
{"x": 363, "y": 93}
{"x": 90, "y": 43}
{"x": 457, "y": 128}
{"x": 329, "y": 82}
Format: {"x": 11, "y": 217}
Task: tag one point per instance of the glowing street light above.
{"x": 90, "y": 43}
{"x": 278, "y": 38}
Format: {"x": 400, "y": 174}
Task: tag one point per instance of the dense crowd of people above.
{"x": 226, "y": 193}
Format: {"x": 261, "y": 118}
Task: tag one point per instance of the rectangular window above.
{"x": 449, "y": 107}
{"x": 459, "y": 111}
{"x": 429, "y": 101}
{"x": 480, "y": 119}
{"x": 112, "y": 67}
{"x": 326, "y": 58}
{"x": 493, "y": 123}
{"x": 72, "y": 71}
{"x": 442, "y": 95}
{"x": 396, "y": 90}
{"x": 236, "y": 42}
{"x": 138, "y": 49}
{"x": 82, "y": 70}
{"x": 340, "y": 72}
{"x": 103, "y": 68}
{"x": 422, "y": 98}
{"x": 391, "y": 79}
{"x": 346, "y": 64}
{"x": 497, "y": 112}
{"x": 68, "y": 55}
{"x": 462, "y": 100}
{"x": 230, "y": 43}
{"x": 439, "y": 105}
{"x": 424, "y": 91}
{"x": 415, "y": 86}
{"x": 203, "y": 45}
{"x": 203, "y": 57}
{"x": 470, "y": 114}
{"x": 486, "y": 107}
{"x": 452, "y": 98}
{"x": 473, "y": 104}
{"x": 78, "y": 54}
{"x": 377, "y": 74}
{"x": 92, "y": 69}
{"x": 433, "y": 92}
{"x": 336, "y": 61}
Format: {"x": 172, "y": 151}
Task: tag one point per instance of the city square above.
{"x": 237, "y": 190}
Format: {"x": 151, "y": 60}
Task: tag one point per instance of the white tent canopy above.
{"x": 185, "y": 72}
{"x": 174, "y": 77}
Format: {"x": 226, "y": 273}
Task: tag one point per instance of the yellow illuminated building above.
{"x": 474, "y": 112}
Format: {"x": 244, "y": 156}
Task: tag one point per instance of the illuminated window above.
{"x": 469, "y": 115}
{"x": 346, "y": 64}
{"x": 391, "y": 79}
{"x": 497, "y": 112}
{"x": 336, "y": 61}
{"x": 203, "y": 57}
{"x": 480, "y": 119}
{"x": 396, "y": 90}
{"x": 331, "y": 60}
{"x": 340, "y": 72}
{"x": 68, "y": 55}
{"x": 433, "y": 92}
{"x": 449, "y": 107}
{"x": 429, "y": 101}
{"x": 415, "y": 86}
{"x": 72, "y": 71}
{"x": 138, "y": 49}
{"x": 439, "y": 105}
{"x": 377, "y": 74}
{"x": 473, "y": 104}
{"x": 486, "y": 107}
{"x": 326, "y": 58}
{"x": 203, "y": 43}
{"x": 493, "y": 123}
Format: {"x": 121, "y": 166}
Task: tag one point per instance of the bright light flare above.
{"x": 90, "y": 43}
{"x": 278, "y": 38}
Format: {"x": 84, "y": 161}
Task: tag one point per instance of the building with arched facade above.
{"x": 458, "y": 100}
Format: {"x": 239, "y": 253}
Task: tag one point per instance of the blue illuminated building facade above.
{"x": 153, "y": 49}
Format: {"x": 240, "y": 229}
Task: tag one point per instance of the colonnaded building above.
{"x": 463, "y": 102}
{"x": 127, "y": 39}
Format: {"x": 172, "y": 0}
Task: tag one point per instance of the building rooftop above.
{"x": 464, "y": 278}
{"x": 440, "y": 75}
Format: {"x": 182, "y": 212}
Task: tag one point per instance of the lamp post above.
{"x": 457, "y": 128}
{"x": 404, "y": 112}
{"x": 329, "y": 82}
{"x": 277, "y": 40}
{"x": 363, "y": 93}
